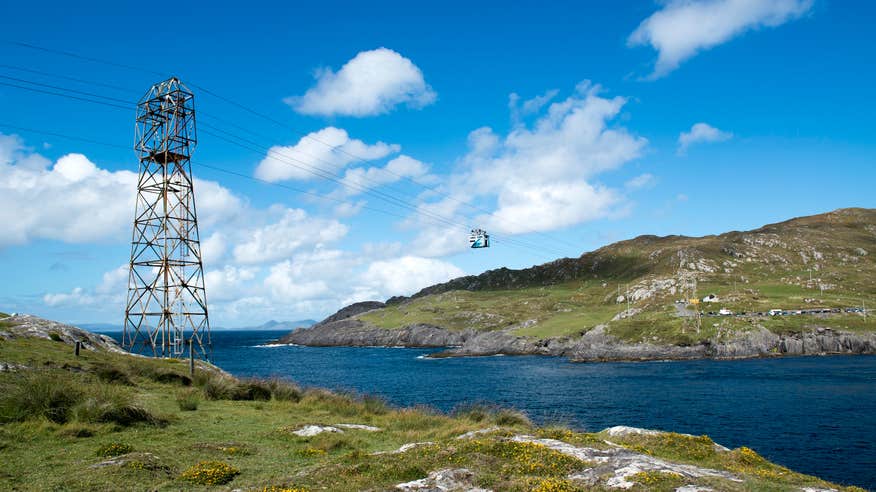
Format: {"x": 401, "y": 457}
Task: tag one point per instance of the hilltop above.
{"x": 638, "y": 299}
{"x": 107, "y": 420}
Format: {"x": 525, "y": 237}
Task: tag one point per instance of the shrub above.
{"x": 168, "y": 377}
{"x": 188, "y": 400}
{"x": 220, "y": 388}
{"x": 480, "y": 412}
{"x": 112, "y": 374}
{"x": 505, "y": 416}
{"x": 252, "y": 389}
{"x": 114, "y": 449}
{"x": 105, "y": 403}
{"x": 55, "y": 336}
{"x": 285, "y": 391}
{"x": 210, "y": 473}
{"x": 374, "y": 404}
{"x": 37, "y": 394}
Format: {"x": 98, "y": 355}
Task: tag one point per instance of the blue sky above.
{"x": 772, "y": 95}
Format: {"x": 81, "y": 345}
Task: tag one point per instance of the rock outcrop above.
{"x": 355, "y": 333}
{"x": 28, "y": 326}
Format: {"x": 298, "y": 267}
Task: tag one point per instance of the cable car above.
{"x": 479, "y": 238}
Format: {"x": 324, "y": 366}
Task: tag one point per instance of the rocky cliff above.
{"x": 594, "y": 345}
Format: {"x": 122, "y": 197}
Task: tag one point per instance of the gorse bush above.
{"x": 210, "y": 473}
{"x": 114, "y": 449}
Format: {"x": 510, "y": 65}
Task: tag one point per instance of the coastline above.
{"x": 592, "y": 346}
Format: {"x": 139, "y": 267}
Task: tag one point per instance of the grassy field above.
{"x": 109, "y": 422}
{"x": 555, "y": 310}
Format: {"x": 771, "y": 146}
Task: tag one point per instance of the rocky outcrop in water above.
{"x": 352, "y": 332}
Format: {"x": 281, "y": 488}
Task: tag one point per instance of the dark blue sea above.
{"x": 816, "y": 415}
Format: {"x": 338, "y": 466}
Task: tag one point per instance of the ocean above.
{"x": 815, "y": 415}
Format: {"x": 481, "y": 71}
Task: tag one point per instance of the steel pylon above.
{"x": 166, "y": 312}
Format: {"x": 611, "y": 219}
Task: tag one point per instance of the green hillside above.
{"x": 823, "y": 261}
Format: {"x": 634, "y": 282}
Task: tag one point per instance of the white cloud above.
{"x": 540, "y": 176}
{"x": 75, "y": 201}
{"x": 640, "y": 182}
{"x": 213, "y": 248}
{"x": 114, "y": 281}
{"x": 406, "y": 275}
{"x": 327, "y": 150}
{"x": 699, "y": 133}
{"x": 278, "y": 240}
{"x": 530, "y": 106}
{"x": 76, "y": 297}
{"x": 228, "y": 283}
{"x": 373, "y": 82}
{"x": 358, "y": 180}
{"x": 71, "y": 201}
{"x": 682, "y": 28}
{"x": 526, "y": 208}
{"x": 349, "y": 209}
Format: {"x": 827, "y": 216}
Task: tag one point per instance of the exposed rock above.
{"x": 478, "y": 432}
{"x": 27, "y": 326}
{"x": 11, "y": 366}
{"x": 313, "y": 430}
{"x": 618, "y": 464}
{"x": 359, "y": 427}
{"x": 623, "y": 430}
{"x": 405, "y": 448}
{"x": 446, "y": 480}
{"x": 356, "y": 333}
{"x": 147, "y": 460}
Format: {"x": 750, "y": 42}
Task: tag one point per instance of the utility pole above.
{"x": 167, "y": 304}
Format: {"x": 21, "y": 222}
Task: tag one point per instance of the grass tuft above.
{"x": 188, "y": 399}
{"x": 35, "y": 394}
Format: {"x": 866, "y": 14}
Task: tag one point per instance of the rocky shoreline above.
{"x": 593, "y": 346}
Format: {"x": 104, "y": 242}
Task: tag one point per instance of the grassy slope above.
{"x": 254, "y": 437}
{"x": 571, "y": 296}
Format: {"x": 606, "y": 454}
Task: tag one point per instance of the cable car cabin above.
{"x": 479, "y": 239}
